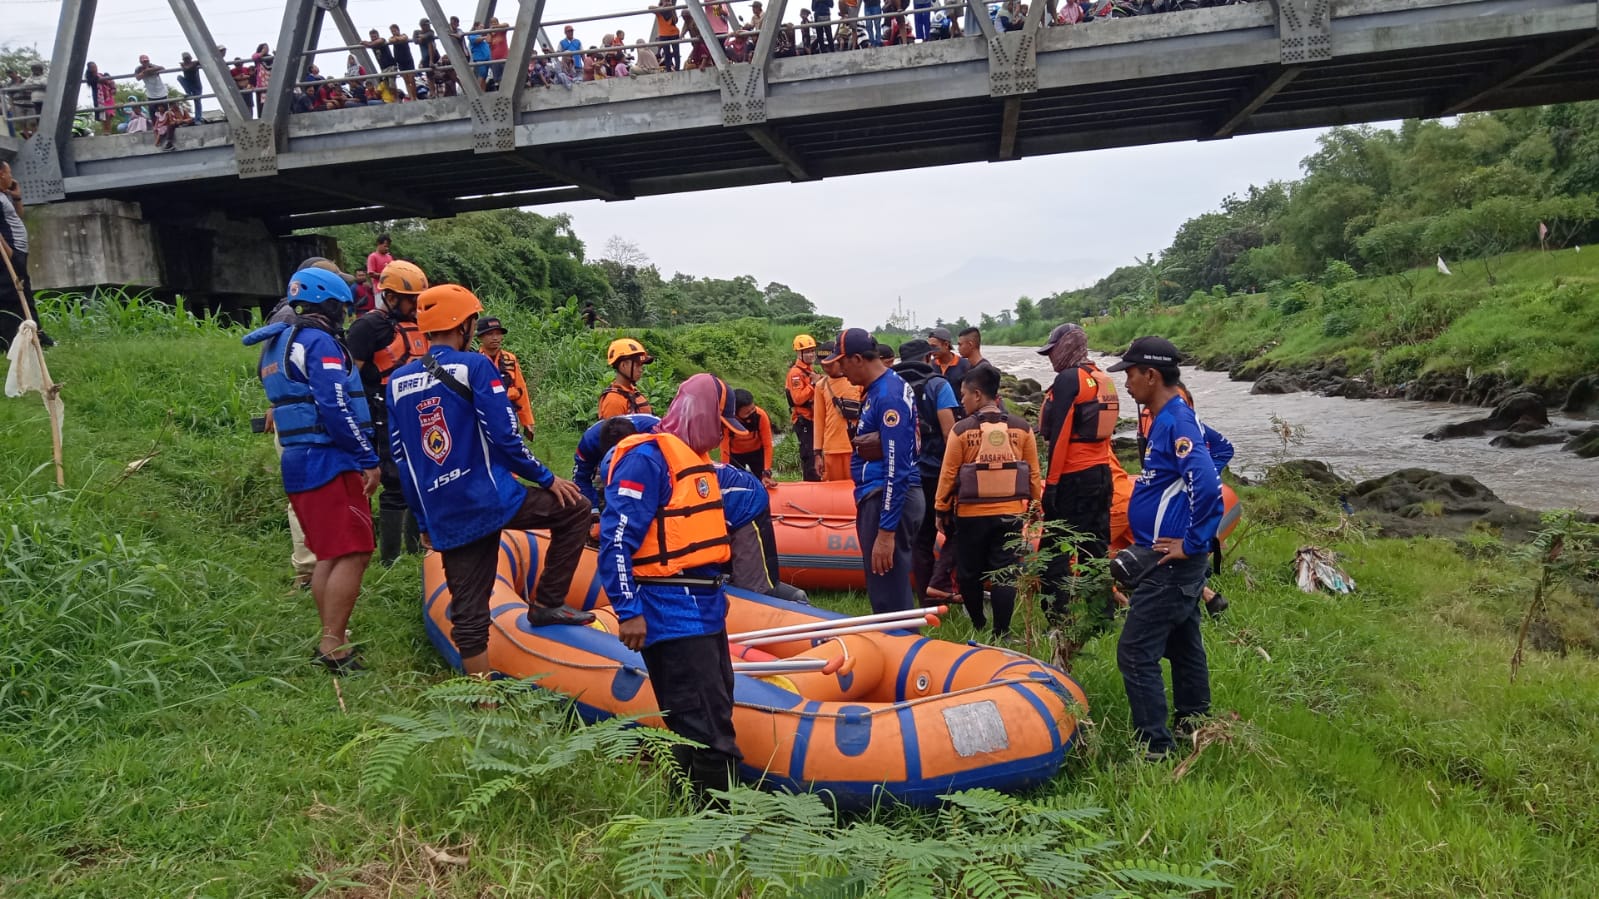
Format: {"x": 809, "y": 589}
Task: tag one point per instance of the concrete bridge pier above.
{"x": 212, "y": 261}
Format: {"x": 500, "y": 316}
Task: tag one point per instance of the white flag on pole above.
{"x": 1442, "y": 268}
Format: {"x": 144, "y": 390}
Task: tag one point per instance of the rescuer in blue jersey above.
{"x": 1175, "y": 509}
{"x": 456, "y": 443}
{"x": 889, "y": 503}
{"x": 329, "y": 465}
{"x": 592, "y": 447}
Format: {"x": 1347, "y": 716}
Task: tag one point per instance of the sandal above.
{"x": 542, "y": 615}
{"x": 348, "y": 664}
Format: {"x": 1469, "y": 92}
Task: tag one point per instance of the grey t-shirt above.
{"x": 16, "y": 234}
{"x": 154, "y": 87}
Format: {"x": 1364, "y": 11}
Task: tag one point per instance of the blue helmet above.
{"x": 315, "y": 285}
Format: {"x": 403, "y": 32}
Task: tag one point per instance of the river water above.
{"x": 1362, "y": 438}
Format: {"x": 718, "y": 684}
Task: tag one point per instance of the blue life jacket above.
{"x": 294, "y": 410}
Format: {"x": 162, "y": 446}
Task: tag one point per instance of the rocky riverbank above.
{"x": 1520, "y": 415}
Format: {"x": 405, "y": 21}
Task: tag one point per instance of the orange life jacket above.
{"x": 690, "y": 530}
{"x": 1086, "y": 441}
{"x": 996, "y": 473}
{"x": 408, "y": 343}
{"x": 506, "y": 362}
{"x": 637, "y": 402}
{"x": 799, "y": 376}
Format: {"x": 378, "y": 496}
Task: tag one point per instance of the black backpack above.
{"x": 921, "y": 377}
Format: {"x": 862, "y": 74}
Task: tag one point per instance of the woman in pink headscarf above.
{"x": 663, "y": 542}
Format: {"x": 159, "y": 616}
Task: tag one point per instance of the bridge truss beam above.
{"x": 43, "y": 165}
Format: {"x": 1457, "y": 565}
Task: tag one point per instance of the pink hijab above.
{"x": 703, "y": 406}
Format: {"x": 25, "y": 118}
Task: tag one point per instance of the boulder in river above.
{"x": 1585, "y": 444}
{"x": 1275, "y": 382}
{"x": 1519, "y": 413}
{"x": 1415, "y": 502}
{"x": 1583, "y": 397}
{"x": 1540, "y": 437}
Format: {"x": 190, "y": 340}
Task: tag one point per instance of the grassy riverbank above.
{"x": 1535, "y": 323}
{"x": 161, "y": 732}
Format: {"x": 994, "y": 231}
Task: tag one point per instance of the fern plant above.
{"x": 500, "y": 737}
{"x": 981, "y": 844}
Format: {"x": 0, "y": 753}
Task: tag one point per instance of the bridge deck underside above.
{"x": 672, "y": 156}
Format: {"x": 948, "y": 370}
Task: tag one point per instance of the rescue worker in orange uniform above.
{"x": 663, "y": 543}
{"x": 1078, "y": 419}
{"x": 751, "y": 450}
{"x": 623, "y": 396}
{"x": 800, "y": 389}
{"x": 380, "y": 342}
{"x": 835, "y": 409}
{"x": 990, "y": 480}
{"x": 490, "y": 339}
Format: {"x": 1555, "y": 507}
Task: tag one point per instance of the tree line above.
{"x": 538, "y": 262}
{"x": 1378, "y": 200}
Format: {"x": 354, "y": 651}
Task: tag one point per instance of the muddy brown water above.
{"x": 1364, "y": 438}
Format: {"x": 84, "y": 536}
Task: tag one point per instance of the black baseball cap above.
{"x": 489, "y": 325}
{"x": 1153, "y": 352}
{"x": 853, "y": 342}
{"x": 915, "y": 350}
{"x": 942, "y": 334}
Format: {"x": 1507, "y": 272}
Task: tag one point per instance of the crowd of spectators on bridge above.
{"x": 403, "y": 66}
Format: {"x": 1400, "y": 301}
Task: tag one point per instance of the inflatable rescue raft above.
{"x": 814, "y": 523}
{"x": 905, "y": 716}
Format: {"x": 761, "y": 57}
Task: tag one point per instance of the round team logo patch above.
{"x": 890, "y": 418}
{"x": 1183, "y": 447}
{"x": 996, "y": 438}
{"x": 703, "y": 486}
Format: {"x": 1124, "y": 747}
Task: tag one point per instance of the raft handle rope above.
{"x": 891, "y": 708}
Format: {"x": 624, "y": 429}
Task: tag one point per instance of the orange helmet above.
{"x": 400, "y": 276}
{"x": 444, "y": 307}
{"x": 625, "y": 348}
{"x": 804, "y": 342}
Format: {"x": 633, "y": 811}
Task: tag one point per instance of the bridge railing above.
{"x": 733, "y": 20}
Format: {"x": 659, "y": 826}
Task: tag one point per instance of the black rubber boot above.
{"x": 391, "y": 534}
{"x": 413, "y": 534}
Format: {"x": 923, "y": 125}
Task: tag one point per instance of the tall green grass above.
{"x": 1539, "y": 325}
{"x": 162, "y": 732}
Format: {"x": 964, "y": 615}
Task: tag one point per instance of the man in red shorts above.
{"x": 330, "y": 468}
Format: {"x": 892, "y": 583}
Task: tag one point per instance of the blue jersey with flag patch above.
{"x": 457, "y": 458}
{"x": 1178, "y": 494}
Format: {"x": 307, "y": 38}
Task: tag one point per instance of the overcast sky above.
{"x": 950, "y": 241}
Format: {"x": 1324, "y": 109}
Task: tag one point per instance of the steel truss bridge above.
{"x": 1203, "y": 74}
